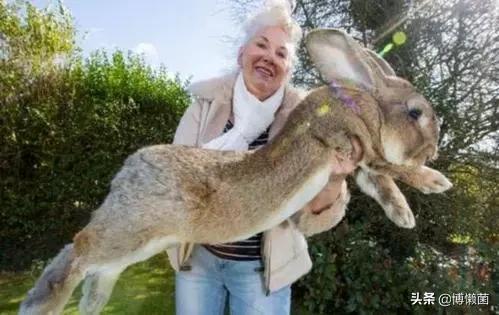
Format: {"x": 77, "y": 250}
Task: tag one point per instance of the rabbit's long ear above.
{"x": 380, "y": 63}
{"x": 338, "y": 57}
{"x": 384, "y": 190}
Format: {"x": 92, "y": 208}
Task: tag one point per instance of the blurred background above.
{"x": 85, "y": 84}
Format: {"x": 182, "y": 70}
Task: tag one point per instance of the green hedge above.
{"x": 64, "y": 136}
{"x": 367, "y": 265}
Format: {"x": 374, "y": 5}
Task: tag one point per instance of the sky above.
{"x": 194, "y": 38}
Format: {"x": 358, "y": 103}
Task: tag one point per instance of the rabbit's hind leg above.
{"x": 97, "y": 289}
{"x": 99, "y": 284}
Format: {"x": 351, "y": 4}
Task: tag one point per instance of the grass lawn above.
{"x": 144, "y": 288}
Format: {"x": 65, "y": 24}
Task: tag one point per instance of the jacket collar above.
{"x": 218, "y": 92}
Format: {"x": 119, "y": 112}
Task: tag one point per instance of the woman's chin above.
{"x": 265, "y": 86}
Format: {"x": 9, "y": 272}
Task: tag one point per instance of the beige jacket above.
{"x": 284, "y": 251}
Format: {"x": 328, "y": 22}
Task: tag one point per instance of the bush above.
{"x": 354, "y": 273}
{"x": 65, "y": 136}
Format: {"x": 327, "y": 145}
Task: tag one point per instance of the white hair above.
{"x": 275, "y": 13}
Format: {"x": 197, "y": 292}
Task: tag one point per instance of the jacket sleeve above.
{"x": 309, "y": 223}
{"x": 187, "y": 133}
{"x": 188, "y": 129}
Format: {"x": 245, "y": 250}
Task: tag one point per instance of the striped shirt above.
{"x": 248, "y": 249}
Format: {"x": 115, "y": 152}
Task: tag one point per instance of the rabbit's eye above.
{"x": 415, "y": 113}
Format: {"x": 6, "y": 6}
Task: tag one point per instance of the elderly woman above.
{"x": 242, "y": 111}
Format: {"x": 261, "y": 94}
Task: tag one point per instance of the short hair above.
{"x": 275, "y": 13}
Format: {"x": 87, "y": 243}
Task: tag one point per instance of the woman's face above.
{"x": 265, "y": 61}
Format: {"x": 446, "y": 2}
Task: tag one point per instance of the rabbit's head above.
{"x": 403, "y": 126}
{"x": 409, "y": 127}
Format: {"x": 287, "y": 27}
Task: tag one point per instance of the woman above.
{"x": 242, "y": 111}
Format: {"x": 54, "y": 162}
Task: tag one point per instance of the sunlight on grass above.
{"x": 16, "y": 300}
{"x": 145, "y": 288}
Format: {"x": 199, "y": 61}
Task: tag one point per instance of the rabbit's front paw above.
{"x": 400, "y": 215}
{"x": 384, "y": 190}
{"x": 433, "y": 182}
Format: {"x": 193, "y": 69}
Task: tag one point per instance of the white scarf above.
{"x": 233, "y": 139}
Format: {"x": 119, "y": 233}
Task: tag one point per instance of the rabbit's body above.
{"x": 204, "y": 196}
{"x": 167, "y": 194}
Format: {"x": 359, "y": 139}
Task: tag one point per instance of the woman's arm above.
{"x": 326, "y": 210}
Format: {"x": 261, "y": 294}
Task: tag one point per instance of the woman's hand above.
{"x": 328, "y": 196}
{"x": 342, "y": 166}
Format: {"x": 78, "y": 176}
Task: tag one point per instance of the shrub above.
{"x": 64, "y": 138}
{"x": 354, "y": 273}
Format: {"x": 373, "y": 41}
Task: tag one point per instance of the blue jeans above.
{"x": 203, "y": 289}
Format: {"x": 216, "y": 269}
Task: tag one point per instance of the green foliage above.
{"x": 355, "y": 274}
{"x": 65, "y": 130}
{"x": 32, "y": 42}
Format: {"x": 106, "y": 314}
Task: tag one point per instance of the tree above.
{"x": 452, "y": 55}
{"x": 32, "y": 41}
